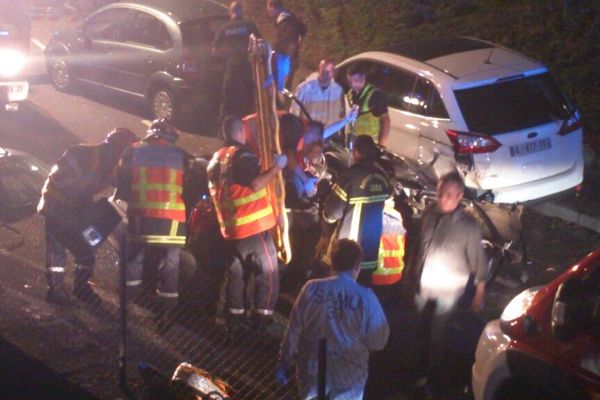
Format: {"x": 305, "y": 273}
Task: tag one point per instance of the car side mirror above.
{"x": 568, "y": 310}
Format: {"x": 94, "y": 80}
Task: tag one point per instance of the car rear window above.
{"x": 201, "y": 31}
{"x": 513, "y": 104}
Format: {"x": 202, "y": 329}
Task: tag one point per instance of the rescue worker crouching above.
{"x": 356, "y": 206}
{"x": 82, "y": 172}
{"x": 239, "y": 192}
{"x": 150, "y": 180}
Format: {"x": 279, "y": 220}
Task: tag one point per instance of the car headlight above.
{"x": 12, "y": 62}
{"x": 519, "y": 304}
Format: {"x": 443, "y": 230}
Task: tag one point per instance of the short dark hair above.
{"x": 345, "y": 255}
{"x": 357, "y": 68}
{"x": 453, "y": 177}
{"x": 365, "y": 146}
{"x": 228, "y": 125}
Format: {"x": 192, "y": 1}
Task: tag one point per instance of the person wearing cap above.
{"x": 231, "y": 42}
{"x": 150, "y": 179}
{"x": 238, "y": 189}
{"x": 83, "y": 171}
{"x": 355, "y": 206}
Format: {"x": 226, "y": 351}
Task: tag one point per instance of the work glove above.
{"x": 281, "y": 161}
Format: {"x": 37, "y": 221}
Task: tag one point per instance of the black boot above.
{"x": 56, "y": 291}
{"x": 82, "y": 288}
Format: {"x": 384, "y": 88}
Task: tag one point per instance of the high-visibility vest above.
{"x": 391, "y": 260}
{"x": 241, "y": 212}
{"x": 157, "y": 182}
{"x": 366, "y": 123}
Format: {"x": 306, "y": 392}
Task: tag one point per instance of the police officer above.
{"x": 231, "y": 42}
{"x": 82, "y": 172}
{"x": 373, "y": 118}
{"x": 356, "y": 205}
{"x": 238, "y": 190}
{"x": 150, "y": 179}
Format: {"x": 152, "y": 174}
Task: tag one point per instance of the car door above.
{"x": 433, "y": 146}
{"x": 146, "y": 48}
{"x": 96, "y": 62}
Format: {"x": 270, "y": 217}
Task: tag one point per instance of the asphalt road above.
{"x": 81, "y": 345}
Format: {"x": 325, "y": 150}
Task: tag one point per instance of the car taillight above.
{"x": 189, "y": 68}
{"x": 472, "y": 143}
{"x": 571, "y": 124}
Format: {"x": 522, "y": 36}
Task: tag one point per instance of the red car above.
{"x": 546, "y": 344}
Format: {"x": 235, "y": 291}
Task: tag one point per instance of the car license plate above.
{"x": 530, "y": 147}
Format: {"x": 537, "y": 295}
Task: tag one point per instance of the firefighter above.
{"x": 150, "y": 180}
{"x": 239, "y": 192}
{"x": 355, "y": 205}
{"x": 82, "y": 172}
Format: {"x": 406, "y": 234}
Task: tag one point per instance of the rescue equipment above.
{"x": 269, "y": 144}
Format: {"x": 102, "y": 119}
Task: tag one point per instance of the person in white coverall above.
{"x": 344, "y": 313}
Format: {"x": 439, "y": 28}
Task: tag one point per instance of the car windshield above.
{"x": 513, "y": 105}
{"x": 201, "y": 31}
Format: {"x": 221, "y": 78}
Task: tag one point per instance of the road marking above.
{"x": 146, "y": 122}
{"x": 38, "y": 44}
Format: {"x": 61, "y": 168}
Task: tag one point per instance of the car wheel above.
{"x": 163, "y": 104}
{"x": 60, "y": 74}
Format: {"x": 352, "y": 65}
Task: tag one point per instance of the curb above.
{"x": 551, "y": 209}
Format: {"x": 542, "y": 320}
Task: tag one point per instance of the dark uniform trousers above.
{"x": 57, "y": 234}
{"x": 256, "y": 255}
{"x": 168, "y": 269}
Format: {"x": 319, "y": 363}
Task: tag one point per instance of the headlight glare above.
{"x": 12, "y": 62}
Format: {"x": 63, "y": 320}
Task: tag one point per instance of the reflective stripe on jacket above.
{"x": 391, "y": 260}
{"x": 241, "y": 211}
{"x": 366, "y": 123}
{"x": 356, "y": 204}
{"x": 156, "y": 209}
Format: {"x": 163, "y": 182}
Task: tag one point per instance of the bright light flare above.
{"x": 12, "y": 62}
{"x": 519, "y": 305}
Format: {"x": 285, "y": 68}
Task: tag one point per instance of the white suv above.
{"x": 495, "y": 114}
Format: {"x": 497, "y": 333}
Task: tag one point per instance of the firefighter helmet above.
{"x": 164, "y": 129}
{"x": 120, "y": 137}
